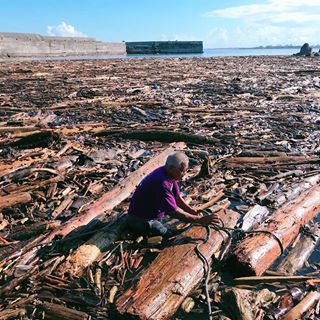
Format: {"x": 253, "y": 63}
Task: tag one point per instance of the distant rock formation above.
{"x": 305, "y": 51}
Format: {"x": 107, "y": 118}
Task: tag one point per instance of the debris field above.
{"x": 76, "y": 137}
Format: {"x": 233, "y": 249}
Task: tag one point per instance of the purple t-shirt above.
{"x": 154, "y": 196}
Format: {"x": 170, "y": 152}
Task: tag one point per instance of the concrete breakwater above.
{"x": 35, "y": 45}
{"x": 30, "y": 45}
{"x": 165, "y": 47}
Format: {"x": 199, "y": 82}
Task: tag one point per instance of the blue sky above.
{"x": 228, "y": 23}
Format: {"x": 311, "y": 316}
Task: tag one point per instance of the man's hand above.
{"x": 195, "y": 213}
{"x": 207, "y": 220}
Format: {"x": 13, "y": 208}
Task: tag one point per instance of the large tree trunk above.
{"x": 109, "y": 200}
{"x": 173, "y": 274}
{"x": 256, "y": 253}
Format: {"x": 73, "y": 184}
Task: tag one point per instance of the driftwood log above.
{"x": 42, "y": 139}
{"x": 59, "y": 312}
{"x": 14, "y": 199}
{"x": 298, "y": 256}
{"x": 245, "y": 304}
{"x": 161, "y": 136}
{"x": 17, "y": 313}
{"x": 285, "y": 303}
{"x": 308, "y": 302}
{"x": 249, "y": 161}
{"x": 256, "y": 253}
{"x": 254, "y": 217}
{"x": 88, "y": 252}
{"x": 173, "y": 274}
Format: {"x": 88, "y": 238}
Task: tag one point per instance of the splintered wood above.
{"x": 76, "y": 137}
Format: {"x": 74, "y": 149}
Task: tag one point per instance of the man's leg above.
{"x": 138, "y": 225}
{"x": 157, "y": 228}
{"x": 149, "y": 228}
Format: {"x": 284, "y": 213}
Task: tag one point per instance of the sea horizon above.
{"x": 207, "y": 53}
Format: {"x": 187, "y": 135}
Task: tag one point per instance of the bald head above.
{"x": 177, "y": 160}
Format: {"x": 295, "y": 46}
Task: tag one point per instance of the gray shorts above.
{"x": 147, "y": 227}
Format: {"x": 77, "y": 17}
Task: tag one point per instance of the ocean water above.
{"x": 228, "y": 52}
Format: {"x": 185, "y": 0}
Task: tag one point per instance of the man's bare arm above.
{"x": 191, "y": 218}
{"x": 184, "y": 206}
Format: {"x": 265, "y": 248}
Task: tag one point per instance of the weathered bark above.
{"x": 35, "y": 185}
{"x": 245, "y": 304}
{"x": 29, "y": 231}
{"x": 270, "y": 160}
{"x": 239, "y": 304}
{"x": 87, "y": 253}
{"x": 12, "y": 313}
{"x": 282, "y": 196}
{"x": 62, "y": 206}
{"x": 9, "y": 288}
{"x": 7, "y": 168}
{"x": 255, "y": 254}
{"x": 256, "y": 153}
{"x": 308, "y": 302}
{"x": 173, "y": 274}
{"x": 104, "y": 102}
{"x": 162, "y": 136}
{"x": 254, "y": 217}
{"x": 297, "y": 257}
{"x": 59, "y": 312}
{"x": 109, "y": 200}
{"x": 285, "y": 303}
{"x": 18, "y": 129}
{"x": 254, "y": 280}
{"x": 14, "y": 199}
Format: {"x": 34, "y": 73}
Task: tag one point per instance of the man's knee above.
{"x": 156, "y": 228}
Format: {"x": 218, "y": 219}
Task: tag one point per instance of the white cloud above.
{"x": 274, "y": 22}
{"x": 64, "y": 30}
{"x": 274, "y": 11}
{"x": 250, "y": 36}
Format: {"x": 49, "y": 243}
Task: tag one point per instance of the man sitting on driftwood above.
{"x": 158, "y": 195}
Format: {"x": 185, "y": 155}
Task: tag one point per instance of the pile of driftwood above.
{"x": 76, "y": 137}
